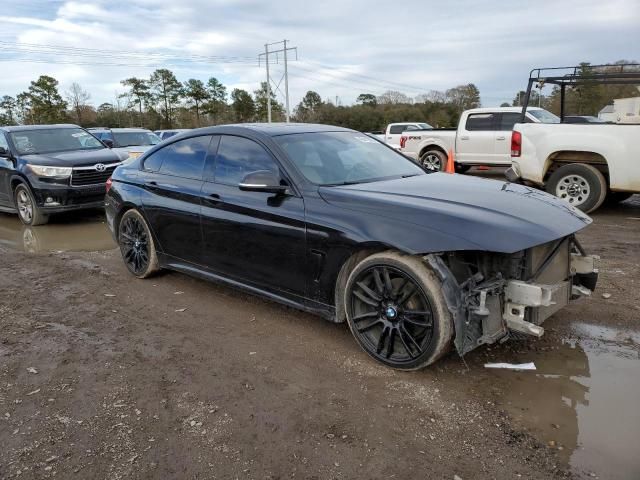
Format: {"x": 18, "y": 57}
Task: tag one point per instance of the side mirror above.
{"x": 108, "y": 142}
{"x": 4, "y": 152}
{"x": 262, "y": 181}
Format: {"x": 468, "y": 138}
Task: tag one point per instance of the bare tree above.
{"x": 393, "y": 97}
{"x": 78, "y": 99}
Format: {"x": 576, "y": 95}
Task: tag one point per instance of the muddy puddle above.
{"x": 80, "y": 232}
{"x": 583, "y": 400}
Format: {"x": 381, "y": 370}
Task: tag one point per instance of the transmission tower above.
{"x": 268, "y": 54}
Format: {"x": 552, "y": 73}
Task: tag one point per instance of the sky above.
{"x": 344, "y": 48}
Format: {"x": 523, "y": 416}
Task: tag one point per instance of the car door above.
{"x": 476, "y": 138}
{"x": 502, "y": 149}
{"x": 6, "y": 167}
{"x": 253, "y": 237}
{"x": 171, "y": 198}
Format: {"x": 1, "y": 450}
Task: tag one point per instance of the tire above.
{"x": 136, "y": 245}
{"x": 433, "y": 160}
{"x": 407, "y": 326}
{"x": 614, "y": 198}
{"x": 583, "y": 186}
{"x": 28, "y": 210}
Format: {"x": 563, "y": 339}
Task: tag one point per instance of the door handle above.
{"x": 152, "y": 184}
{"x": 215, "y": 196}
{"x": 500, "y": 138}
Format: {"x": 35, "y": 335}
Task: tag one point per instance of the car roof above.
{"x": 123, "y": 130}
{"x": 24, "y": 128}
{"x": 274, "y": 129}
{"x": 501, "y": 109}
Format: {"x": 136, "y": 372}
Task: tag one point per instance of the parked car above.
{"x": 584, "y": 165}
{"x": 482, "y": 138}
{"x": 132, "y": 141}
{"x": 47, "y": 169}
{"x": 333, "y": 222}
{"x": 393, "y": 132}
{"x": 164, "y": 134}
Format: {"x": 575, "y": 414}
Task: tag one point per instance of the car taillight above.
{"x": 108, "y": 184}
{"x": 516, "y": 144}
{"x": 403, "y": 141}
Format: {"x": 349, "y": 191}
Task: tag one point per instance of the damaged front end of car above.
{"x": 497, "y": 296}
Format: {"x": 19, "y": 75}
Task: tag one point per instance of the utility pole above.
{"x": 266, "y": 57}
{"x": 285, "y": 49}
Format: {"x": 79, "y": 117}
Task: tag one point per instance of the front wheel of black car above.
{"x": 397, "y": 312}
{"x": 28, "y": 210}
{"x": 136, "y": 245}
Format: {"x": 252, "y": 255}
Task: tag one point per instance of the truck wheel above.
{"x": 583, "y": 186}
{"x": 28, "y": 210}
{"x": 397, "y": 312}
{"x": 433, "y": 160}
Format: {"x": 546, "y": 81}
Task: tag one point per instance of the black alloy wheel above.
{"x": 136, "y": 245}
{"x": 391, "y": 315}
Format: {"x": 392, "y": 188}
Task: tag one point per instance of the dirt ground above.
{"x": 106, "y": 376}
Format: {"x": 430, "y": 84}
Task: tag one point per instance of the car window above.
{"x": 480, "y": 122}
{"x": 184, "y": 158}
{"x": 336, "y": 158}
{"x": 238, "y": 156}
{"x": 135, "y": 139}
{"x": 49, "y": 140}
{"x": 3, "y": 142}
{"x": 396, "y": 129}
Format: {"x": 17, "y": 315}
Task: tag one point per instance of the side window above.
{"x": 180, "y": 159}
{"x": 3, "y": 142}
{"x": 396, "y": 129}
{"x": 237, "y": 157}
{"x": 508, "y": 120}
{"x": 480, "y": 122}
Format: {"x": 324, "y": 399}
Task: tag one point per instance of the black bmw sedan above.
{"x": 334, "y": 222}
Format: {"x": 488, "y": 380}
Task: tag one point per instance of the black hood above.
{"x": 475, "y": 213}
{"x": 76, "y": 158}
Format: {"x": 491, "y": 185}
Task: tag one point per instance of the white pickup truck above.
{"x": 584, "y": 164}
{"x": 394, "y": 131}
{"x": 482, "y": 138}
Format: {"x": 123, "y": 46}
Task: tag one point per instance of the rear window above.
{"x": 135, "y": 139}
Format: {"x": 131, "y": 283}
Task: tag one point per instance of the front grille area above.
{"x": 82, "y": 177}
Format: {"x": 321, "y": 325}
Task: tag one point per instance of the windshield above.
{"x": 54, "y": 140}
{"x": 135, "y": 139}
{"x": 544, "y": 116}
{"x": 338, "y": 158}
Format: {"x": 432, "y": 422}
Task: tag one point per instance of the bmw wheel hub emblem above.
{"x": 391, "y": 313}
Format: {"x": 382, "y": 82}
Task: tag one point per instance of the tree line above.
{"x": 162, "y": 101}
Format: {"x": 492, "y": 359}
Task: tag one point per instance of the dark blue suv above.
{"x": 47, "y": 169}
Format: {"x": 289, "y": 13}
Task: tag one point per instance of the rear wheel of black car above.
{"x": 28, "y": 210}
{"x": 433, "y": 160}
{"x": 583, "y": 186}
{"x": 136, "y": 245}
{"x": 397, "y": 312}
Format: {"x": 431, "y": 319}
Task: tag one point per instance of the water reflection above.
{"x": 83, "y": 231}
{"x": 581, "y": 401}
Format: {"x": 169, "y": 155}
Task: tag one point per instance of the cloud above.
{"x": 344, "y": 48}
